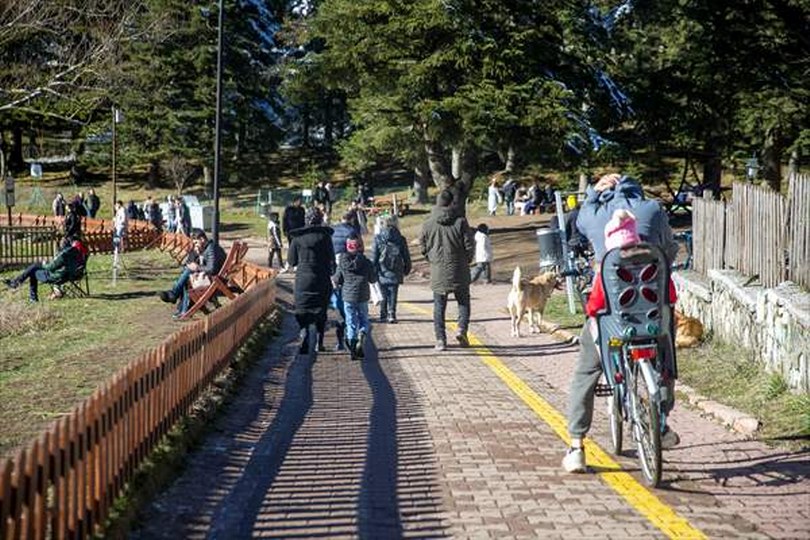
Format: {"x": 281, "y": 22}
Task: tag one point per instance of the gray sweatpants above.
{"x": 583, "y": 383}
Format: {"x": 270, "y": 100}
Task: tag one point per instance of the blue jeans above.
{"x": 462, "y": 295}
{"x": 34, "y": 274}
{"x": 356, "y": 319}
{"x": 388, "y": 306}
{"x": 179, "y": 290}
{"x": 510, "y": 207}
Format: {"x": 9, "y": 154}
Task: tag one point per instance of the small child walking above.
{"x": 483, "y": 255}
{"x": 354, "y": 274}
{"x": 274, "y": 241}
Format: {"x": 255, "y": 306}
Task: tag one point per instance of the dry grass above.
{"x": 18, "y": 319}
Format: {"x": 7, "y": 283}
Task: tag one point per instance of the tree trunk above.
{"x": 457, "y": 158}
{"x": 437, "y": 162}
{"x": 305, "y": 126}
{"x": 241, "y": 141}
{"x": 712, "y": 168}
{"x": 153, "y": 176}
{"x": 327, "y": 120}
{"x": 511, "y": 157}
{"x": 583, "y": 183}
{"x": 15, "y": 158}
{"x": 772, "y": 161}
{"x": 208, "y": 178}
{"x": 793, "y": 163}
{"x": 421, "y": 178}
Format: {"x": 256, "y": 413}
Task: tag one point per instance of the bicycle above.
{"x": 636, "y": 348}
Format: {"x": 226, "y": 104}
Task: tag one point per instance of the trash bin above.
{"x": 550, "y": 245}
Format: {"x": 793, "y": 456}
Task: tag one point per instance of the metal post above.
{"x": 218, "y": 128}
{"x": 569, "y": 280}
{"x": 114, "y": 172}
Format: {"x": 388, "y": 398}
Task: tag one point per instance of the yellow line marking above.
{"x": 642, "y": 499}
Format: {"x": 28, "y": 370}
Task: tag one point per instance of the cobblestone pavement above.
{"x": 415, "y": 443}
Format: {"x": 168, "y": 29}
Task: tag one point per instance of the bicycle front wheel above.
{"x": 646, "y": 429}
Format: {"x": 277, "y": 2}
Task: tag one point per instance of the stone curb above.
{"x": 738, "y": 421}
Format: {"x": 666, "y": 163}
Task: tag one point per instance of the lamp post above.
{"x": 218, "y": 126}
{"x": 116, "y": 118}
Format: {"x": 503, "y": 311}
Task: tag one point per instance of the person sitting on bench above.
{"x": 205, "y": 259}
{"x": 67, "y": 265}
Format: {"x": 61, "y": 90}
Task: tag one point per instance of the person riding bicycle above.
{"x": 610, "y": 193}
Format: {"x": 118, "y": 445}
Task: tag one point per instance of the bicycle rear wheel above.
{"x": 616, "y": 420}
{"x": 646, "y": 429}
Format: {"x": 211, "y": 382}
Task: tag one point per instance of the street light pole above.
{"x": 114, "y": 152}
{"x": 218, "y": 128}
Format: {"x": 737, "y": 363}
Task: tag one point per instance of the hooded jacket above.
{"x": 388, "y": 276}
{"x": 447, "y": 244}
{"x": 312, "y": 253}
{"x": 354, "y": 274}
{"x": 651, "y": 220}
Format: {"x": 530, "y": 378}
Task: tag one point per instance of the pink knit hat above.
{"x": 621, "y": 230}
{"x": 353, "y": 245}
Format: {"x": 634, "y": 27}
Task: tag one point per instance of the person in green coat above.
{"x": 65, "y": 266}
{"x": 447, "y": 244}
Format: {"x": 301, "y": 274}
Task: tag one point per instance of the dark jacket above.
{"x": 92, "y": 204}
{"x": 447, "y": 244}
{"x": 65, "y": 265}
{"x": 73, "y": 224}
{"x": 354, "y": 273}
{"x": 341, "y": 233}
{"x": 212, "y": 258}
{"x": 651, "y": 220}
{"x": 293, "y": 219}
{"x": 388, "y": 276}
{"x": 311, "y": 252}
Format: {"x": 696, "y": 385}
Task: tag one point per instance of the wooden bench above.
{"x": 220, "y": 283}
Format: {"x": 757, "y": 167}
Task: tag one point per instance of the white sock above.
{"x": 576, "y": 442}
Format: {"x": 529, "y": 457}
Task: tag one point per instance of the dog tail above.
{"x": 516, "y": 277}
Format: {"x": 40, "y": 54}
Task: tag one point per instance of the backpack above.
{"x": 391, "y": 258}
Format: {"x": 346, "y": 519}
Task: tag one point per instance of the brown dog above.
{"x": 688, "y": 331}
{"x": 529, "y": 295}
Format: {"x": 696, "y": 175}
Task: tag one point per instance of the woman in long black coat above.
{"x": 312, "y": 254}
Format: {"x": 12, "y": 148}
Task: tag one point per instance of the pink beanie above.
{"x": 621, "y": 230}
{"x": 352, "y": 245}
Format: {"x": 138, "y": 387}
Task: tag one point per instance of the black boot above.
{"x": 340, "y": 332}
{"x": 359, "y": 350}
{"x": 353, "y": 349}
{"x": 321, "y": 348}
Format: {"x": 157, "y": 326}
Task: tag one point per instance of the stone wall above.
{"x": 772, "y": 323}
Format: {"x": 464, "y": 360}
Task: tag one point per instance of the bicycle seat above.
{"x": 637, "y": 302}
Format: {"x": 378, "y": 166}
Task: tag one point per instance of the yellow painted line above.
{"x": 636, "y": 494}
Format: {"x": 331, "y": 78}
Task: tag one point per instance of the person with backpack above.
{"x": 393, "y": 262}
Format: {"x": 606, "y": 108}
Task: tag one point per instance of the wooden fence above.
{"x": 22, "y": 245}
{"x": 759, "y": 233}
{"x": 63, "y": 485}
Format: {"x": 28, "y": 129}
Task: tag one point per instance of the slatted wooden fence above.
{"x": 23, "y": 245}
{"x": 759, "y": 233}
{"x": 64, "y": 483}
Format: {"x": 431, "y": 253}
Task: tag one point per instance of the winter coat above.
{"x": 341, "y": 233}
{"x": 353, "y": 275}
{"x": 651, "y": 220}
{"x": 385, "y": 275}
{"x": 447, "y": 244}
{"x": 212, "y": 258}
{"x": 73, "y": 224}
{"x": 92, "y": 204}
{"x": 312, "y": 253}
{"x": 293, "y": 219}
{"x": 483, "y": 247}
{"x": 65, "y": 265}
{"x": 509, "y": 190}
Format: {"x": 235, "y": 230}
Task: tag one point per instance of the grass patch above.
{"x": 729, "y": 374}
{"x": 56, "y": 353}
{"x": 168, "y": 459}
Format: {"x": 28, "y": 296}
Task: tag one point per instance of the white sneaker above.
{"x": 669, "y": 439}
{"x": 574, "y": 460}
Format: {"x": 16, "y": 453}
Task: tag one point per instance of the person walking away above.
{"x": 73, "y": 221}
{"x": 446, "y": 241}
{"x": 59, "y": 205}
{"x": 274, "y": 241}
{"x": 392, "y": 262}
{"x": 493, "y": 196}
{"x": 509, "y": 194}
{"x": 330, "y": 198}
{"x": 293, "y": 218}
{"x": 612, "y": 192}
{"x": 171, "y": 215}
{"x": 132, "y": 210}
{"x": 79, "y": 202}
{"x": 207, "y": 258}
{"x": 321, "y": 197}
{"x": 354, "y": 275}
{"x": 342, "y": 231}
{"x": 93, "y": 203}
{"x": 311, "y": 251}
{"x": 64, "y": 266}
{"x": 483, "y": 255}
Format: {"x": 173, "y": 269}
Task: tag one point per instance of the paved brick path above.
{"x": 414, "y": 443}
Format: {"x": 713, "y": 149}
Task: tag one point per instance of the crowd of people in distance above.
{"x": 516, "y": 197}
